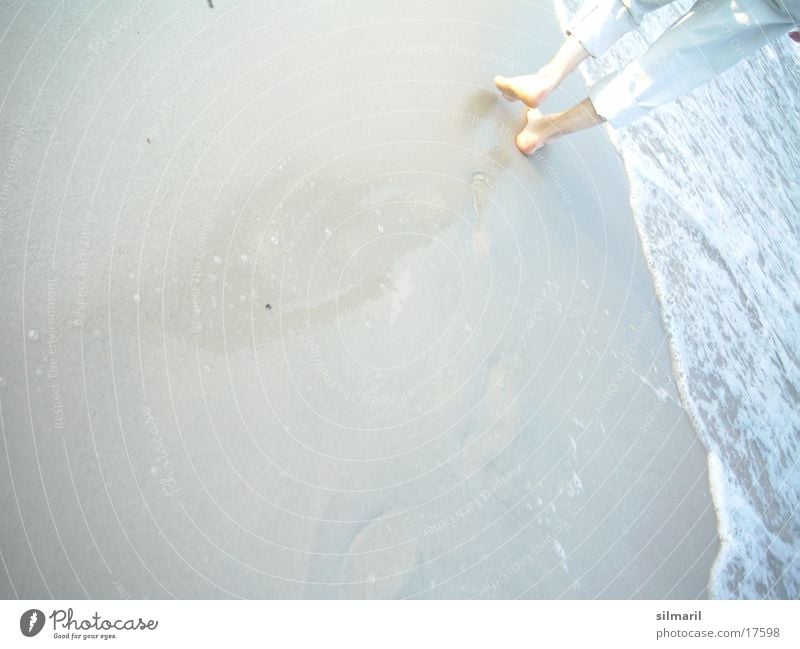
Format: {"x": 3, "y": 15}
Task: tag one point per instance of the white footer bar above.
{"x": 398, "y": 624}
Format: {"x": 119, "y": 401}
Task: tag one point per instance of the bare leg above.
{"x": 532, "y": 89}
{"x": 540, "y": 129}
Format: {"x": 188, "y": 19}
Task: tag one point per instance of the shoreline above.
{"x": 675, "y": 362}
{"x": 715, "y": 249}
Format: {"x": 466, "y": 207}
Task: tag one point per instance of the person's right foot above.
{"x": 530, "y": 89}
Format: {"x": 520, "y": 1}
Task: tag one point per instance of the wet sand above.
{"x": 287, "y": 315}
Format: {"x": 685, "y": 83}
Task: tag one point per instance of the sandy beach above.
{"x": 287, "y": 315}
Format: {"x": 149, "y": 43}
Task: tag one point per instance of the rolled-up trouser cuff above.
{"x": 601, "y": 26}
{"x": 614, "y": 96}
{"x": 710, "y": 38}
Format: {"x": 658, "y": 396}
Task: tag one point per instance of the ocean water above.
{"x": 715, "y": 189}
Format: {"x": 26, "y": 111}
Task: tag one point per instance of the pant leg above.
{"x": 711, "y": 37}
{"x": 598, "y": 26}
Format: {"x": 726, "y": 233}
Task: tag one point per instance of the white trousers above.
{"x": 711, "y": 37}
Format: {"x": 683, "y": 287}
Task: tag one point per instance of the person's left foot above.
{"x": 536, "y": 133}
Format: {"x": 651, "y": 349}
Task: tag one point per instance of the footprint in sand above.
{"x": 481, "y": 185}
{"x": 387, "y": 573}
{"x": 499, "y": 423}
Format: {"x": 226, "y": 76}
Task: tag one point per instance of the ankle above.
{"x": 550, "y": 73}
{"x": 549, "y": 125}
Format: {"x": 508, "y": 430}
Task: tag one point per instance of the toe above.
{"x": 504, "y": 86}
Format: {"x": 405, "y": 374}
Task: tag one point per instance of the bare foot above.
{"x": 536, "y": 133}
{"x": 531, "y": 89}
